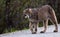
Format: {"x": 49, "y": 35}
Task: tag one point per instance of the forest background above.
{"x": 11, "y": 13}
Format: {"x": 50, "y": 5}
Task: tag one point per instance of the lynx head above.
{"x": 27, "y": 12}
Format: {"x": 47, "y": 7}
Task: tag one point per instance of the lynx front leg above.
{"x": 31, "y": 27}
{"x": 35, "y": 27}
{"x": 45, "y": 23}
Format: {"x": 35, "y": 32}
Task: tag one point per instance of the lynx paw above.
{"x": 34, "y": 33}
{"x": 42, "y": 32}
{"x": 55, "y": 31}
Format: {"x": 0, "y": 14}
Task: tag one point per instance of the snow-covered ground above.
{"x": 27, "y": 33}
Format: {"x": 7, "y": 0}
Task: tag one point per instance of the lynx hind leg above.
{"x": 54, "y": 21}
{"x": 45, "y": 23}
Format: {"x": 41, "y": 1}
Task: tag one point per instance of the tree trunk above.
{"x": 8, "y": 18}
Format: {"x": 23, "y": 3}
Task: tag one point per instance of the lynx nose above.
{"x": 26, "y": 16}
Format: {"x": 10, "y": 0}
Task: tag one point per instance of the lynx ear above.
{"x": 30, "y": 10}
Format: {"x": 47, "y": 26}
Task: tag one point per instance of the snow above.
{"x": 27, "y": 33}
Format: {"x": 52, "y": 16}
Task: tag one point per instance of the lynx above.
{"x": 41, "y": 14}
